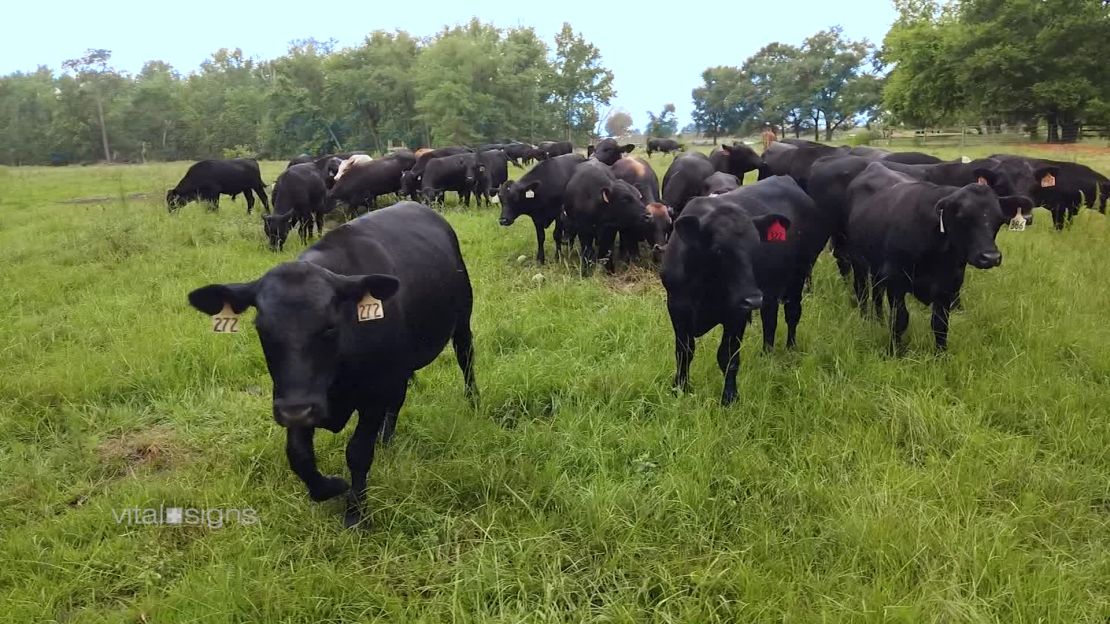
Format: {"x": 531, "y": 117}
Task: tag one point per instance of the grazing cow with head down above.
{"x": 300, "y": 196}
{"x": 490, "y": 171}
{"x": 344, "y": 328}
{"x": 362, "y": 186}
{"x": 731, "y": 254}
{"x": 457, "y": 173}
{"x": 913, "y": 237}
{"x": 412, "y": 179}
{"x": 356, "y": 160}
{"x": 655, "y": 232}
{"x": 539, "y": 194}
{"x": 666, "y": 146}
{"x": 206, "y": 180}
{"x": 597, "y": 206}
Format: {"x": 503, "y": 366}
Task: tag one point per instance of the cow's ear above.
{"x": 1013, "y": 205}
{"x": 772, "y": 228}
{"x": 946, "y": 210}
{"x": 628, "y": 147}
{"x": 355, "y": 287}
{"x": 529, "y": 190}
{"x": 212, "y": 298}
{"x": 688, "y": 228}
{"x": 1046, "y": 176}
{"x": 985, "y": 176}
{"x": 726, "y": 147}
{"x": 606, "y": 191}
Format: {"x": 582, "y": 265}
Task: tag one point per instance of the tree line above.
{"x": 467, "y": 84}
{"x": 1022, "y": 64}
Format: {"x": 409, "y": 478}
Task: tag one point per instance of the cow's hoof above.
{"x": 354, "y": 519}
{"x": 728, "y": 398}
{"x": 328, "y": 488}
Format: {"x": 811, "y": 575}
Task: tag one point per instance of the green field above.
{"x": 843, "y": 486}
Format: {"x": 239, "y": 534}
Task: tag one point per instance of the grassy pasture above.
{"x": 843, "y": 486}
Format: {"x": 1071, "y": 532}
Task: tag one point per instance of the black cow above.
{"x": 450, "y": 173}
{"x": 989, "y": 171}
{"x": 867, "y": 151}
{"x": 300, "y": 196}
{"x": 206, "y": 180}
{"x": 597, "y": 206}
{"x": 685, "y": 179}
{"x": 490, "y": 171}
{"x": 1061, "y": 187}
{"x": 719, "y": 183}
{"x": 411, "y": 179}
{"x": 912, "y": 158}
{"x": 519, "y": 153}
{"x": 551, "y": 149}
{"x": 345, "y": 327}
{"x": 909, "y": 236}
{"x": 732, "y": 254}
{"x": 795, "y": 159}
{"x": 638, "y": 173}
{"x": 361, "y": 187}
{"x": 539, "y": 194}
{"x": 664, "y": 145}
{"x": 301, "y": 159}
{"x": 736, "y": 159}
{"x": 609, "y": 151}
{"x": 404, "y": 156}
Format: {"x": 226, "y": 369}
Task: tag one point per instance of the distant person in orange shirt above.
{"x": 769, "y": 136}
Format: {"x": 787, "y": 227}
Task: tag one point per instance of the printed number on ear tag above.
{"x": 370, "y": 309}
{"x": 226, "y": 321}
{"x": 776, "y": 233}
{"x": 1017, "y": 224}
{"x": 529, "y": 194}
{"x": 1048, "y": 181}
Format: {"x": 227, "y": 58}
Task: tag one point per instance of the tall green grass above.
{"x": 845, "y": 485}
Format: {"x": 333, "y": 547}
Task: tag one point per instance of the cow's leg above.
{"x": 941, "y": 308}
{"x": 684, "y": 345}
{"x": 560, "y": 235}
{"x": 389, "y": 424}
{"x": 302, "y": 459}
{"x": 319, "y": 223}
{"x": 360, "y": 455}
{"x": 899, "y": 318}
{"x": 586, "y": 251}
{"x": 769, "y": 314}
{"x": 859, "y": 286}
{"x": 877, "y": 285}
{"x": 605, "y": 249}
{"x": 540, "y": 236}
{"x": 261, "y": 190}
{"x": 793, "y": 308}
{"x": 249, "y": 196}
{"x": 463, "y": 342}
{"x": 840, "y": 252}
{"x": 728, "y": 357}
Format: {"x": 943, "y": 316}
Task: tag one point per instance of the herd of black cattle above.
{"x": 345, "y": 327}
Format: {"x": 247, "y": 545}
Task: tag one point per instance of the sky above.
{"x": 656, "y": 50}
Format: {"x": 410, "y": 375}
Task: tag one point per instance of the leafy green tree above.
{"x": 94, "y": 76}
{"x": 663, "y": 125}
{"x": 724, "y": 102}
{"x": 844, "y": 88}
{"x": 578, "y": 82}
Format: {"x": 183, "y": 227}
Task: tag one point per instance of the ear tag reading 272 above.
{"x": 370, "y": 309}
{"x": 226, "y": 321}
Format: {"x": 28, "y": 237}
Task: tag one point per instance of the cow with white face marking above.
{"x": 344, "y": 328}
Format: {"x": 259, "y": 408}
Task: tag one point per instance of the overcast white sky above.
{"x": 657, "y": 56}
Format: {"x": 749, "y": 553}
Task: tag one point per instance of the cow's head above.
{"x": 970, "y": 218}
{"x": 719, "y": 183}
{"x": 304, "y": 312}
{"x": 741, "y": 159}
{"x": 410, "y": 183}
{"x": 517, "y": 198}
{"x": 176, "y": 199}
{"x": 609, "y": 151}
{"x": 659, "y": 229}
{"x": 276, "y": 227}
{"x": 720, "y": 240}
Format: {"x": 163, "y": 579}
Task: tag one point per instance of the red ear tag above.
{"x": 776, "y": 233}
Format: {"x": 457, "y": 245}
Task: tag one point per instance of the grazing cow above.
{"x": 609, "y": 151}
{"x": 361, "y": 186}
{"x": 300, "y": 196}
{"x": 344, "y": 328}
{"x": 406, "y": 157}
{"x": 491, "y": 170}
{"x": 909, "y": 236}
{"x": 732, "y": 254}
{"x": 356, "y": 160}
{"x": 551, "y": 149}
{"x": 638, "y": 173}
{"x": 664, "y": 145}
{"x": 411, "y": 180}
{"x": 518, "y": 153}
{"x": 736, "y": 159}
{"x": 597, "y": 206}
{"x": 539, "y": 194}
{"x": 206, "y": 180}
{"x": 685, "y": 179}
{"x": 719, "y": 183}
{"x": 794, "y": 157}
{"x": 457, "y": 172}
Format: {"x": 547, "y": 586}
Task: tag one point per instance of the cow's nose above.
{"x": 989, "y": 259}
{"x": 505, "y": 221}
{"x": 752, "y": 302}
{"x": 291, "y": 414}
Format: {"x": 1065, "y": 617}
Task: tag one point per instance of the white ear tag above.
{"x": 370, "y": 309}
{"x": 226, "y": 321}
{"x": 529, "y": 194}
{"x": 1017, "y": 224}
{"x": 941, "y": 216}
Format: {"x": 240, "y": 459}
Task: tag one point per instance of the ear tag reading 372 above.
{"x": 370, "y": 309}
{"x": 226, "y": 321}
{"x": 776, "y": 233}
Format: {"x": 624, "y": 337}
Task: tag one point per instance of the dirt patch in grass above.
{"x": 100, "y": 199}
{"x": 151, "y": 449}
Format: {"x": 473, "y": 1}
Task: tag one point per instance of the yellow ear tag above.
{"x": 370, "y": 309}
{"x": 1017, "y": 224}
{"x": 226, "y": 321}
{"x": 1048, "y": 181}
